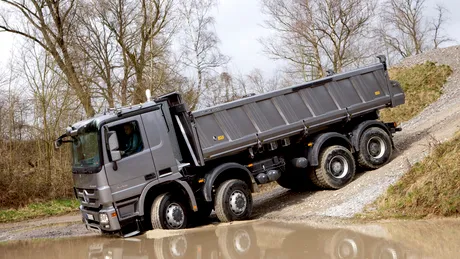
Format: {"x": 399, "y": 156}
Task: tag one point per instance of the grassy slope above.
{"x": 34, "y": 210}
{"x": 422, "y": 85}
{"x": 431, "y": 187}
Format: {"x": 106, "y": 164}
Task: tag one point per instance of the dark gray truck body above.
{"x": 191, "y": 154}
{"x": 235, "y": 126}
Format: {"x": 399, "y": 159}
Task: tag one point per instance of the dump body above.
{"x": 237, "y": 125}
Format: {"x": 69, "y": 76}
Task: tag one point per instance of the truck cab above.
{"x": 118, "y": 157}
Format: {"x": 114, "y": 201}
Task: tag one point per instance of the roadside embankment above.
{"x": 430, "y": 188}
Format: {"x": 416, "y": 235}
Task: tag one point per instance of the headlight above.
{"x": 103, "y": 218}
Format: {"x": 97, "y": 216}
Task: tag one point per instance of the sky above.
{"x": 239, "y": 27}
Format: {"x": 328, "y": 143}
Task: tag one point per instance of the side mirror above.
{"x": 113, "y": 146}
{"x": 57, "y": 143}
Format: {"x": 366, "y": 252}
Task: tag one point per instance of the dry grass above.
{"x": 430, "y": 188}
{"x": 422, "y": 85}
{"x": 34, "y": 210}
{"x": 28, "y": 176}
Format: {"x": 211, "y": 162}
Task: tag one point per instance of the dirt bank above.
{"x": 437, "y": 123}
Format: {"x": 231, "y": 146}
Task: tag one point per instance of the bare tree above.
{"x": 258, "y": 83}
{"x": 51, "y": 24}
{"x": 200, "y": 43}
{"x": 223, "y": 88}
{"x": 141, "y": 30}
{"x": 98, "y": 46}
{"x": 403, "y": 27}
{"x": 437, "y": 27}
{"x": 406, "y": 30}
{"x": 53, "y": 103}
{"x": 314, "y": 35}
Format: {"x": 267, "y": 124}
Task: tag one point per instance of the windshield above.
{"x": 85, "y": 150}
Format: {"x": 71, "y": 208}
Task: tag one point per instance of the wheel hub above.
{"x": 338, "y": 167}
{"x": 242, "y": 242}
{"x": 178, "y": 246}
{"x": 174, "y": 215}
{"x": 389, "y": 253}
{"x": 376, "y": 147}
{"x": 238, "y": 202}
{"x": 347, "y": 249}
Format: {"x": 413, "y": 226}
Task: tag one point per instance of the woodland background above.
{"x": 79, "y": 57}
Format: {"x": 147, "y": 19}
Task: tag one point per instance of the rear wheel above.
{"x": 233, "y": 201}
{"x": 168, "y": 212}
{"x": 238, "y": 242}
{"x": 173, "y": 247}
{"x": 336, "y": 168}
{"x": 374, "y": 148}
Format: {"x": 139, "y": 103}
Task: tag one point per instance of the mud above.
{"x": 258, "y": 239}
{"x": 53, "y": 227}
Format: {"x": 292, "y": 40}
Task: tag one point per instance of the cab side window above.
{"x": 129, "y": 138}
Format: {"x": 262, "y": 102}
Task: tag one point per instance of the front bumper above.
{"x": 92, "y": 220}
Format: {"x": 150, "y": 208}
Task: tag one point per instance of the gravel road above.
{"x": 436, "y": 124}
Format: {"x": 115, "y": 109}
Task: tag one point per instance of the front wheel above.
{"x": 233, "y": 201}
{"x": 168, "y": 212}
{"x": 336, "y": 168}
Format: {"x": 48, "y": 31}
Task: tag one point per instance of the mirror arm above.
{"x": 114, "y": 165}
{"x": 107, "y": 146}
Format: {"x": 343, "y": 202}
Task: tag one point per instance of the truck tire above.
{"x": 238, "y": 242}
{"x": 233, "y": 201}
{"x": 296, "y": 179}
{"x": 173, "y": 247}
{"x": 336, "y": 168}
{"x": 345, "y": 244}
{"x": 168, "y": 212}
{"x": 375, "y": 148}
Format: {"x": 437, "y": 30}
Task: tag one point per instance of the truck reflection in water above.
{"x": 255, "y": 240}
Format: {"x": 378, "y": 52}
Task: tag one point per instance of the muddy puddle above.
{"x": 259, "y": 239}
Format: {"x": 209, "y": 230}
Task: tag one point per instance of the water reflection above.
{"x": 245, "y": 240}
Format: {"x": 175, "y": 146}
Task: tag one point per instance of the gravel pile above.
{"x": 451, "y": 90}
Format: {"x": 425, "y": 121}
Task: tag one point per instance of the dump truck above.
{"x": 159, "y": 165}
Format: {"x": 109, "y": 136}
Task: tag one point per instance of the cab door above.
{"x": 134, "y": 170}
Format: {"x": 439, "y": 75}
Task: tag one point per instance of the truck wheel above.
{"x": 345, "y": 244}
{"x": 336, "y": 168}
{"x": 374, "y": 148}
{"x": 238, "y": 242}
{"x": 172, "y": 247}
{"x": 233, "y": 201}
{"x": 168, "y": 212}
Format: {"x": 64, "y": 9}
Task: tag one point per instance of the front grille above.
{"x": 88, "y": 197}
{"x": 90, "y": 201}
{"x": 89, "y": 191}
